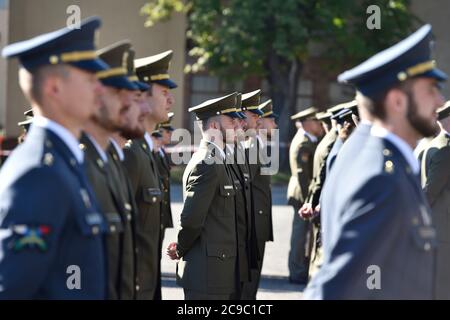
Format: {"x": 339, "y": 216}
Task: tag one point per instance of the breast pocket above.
{"x": 151, "y": 195}
{"x": 227, "y": 194}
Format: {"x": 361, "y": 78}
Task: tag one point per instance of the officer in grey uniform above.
{"x": 378, "y": 237}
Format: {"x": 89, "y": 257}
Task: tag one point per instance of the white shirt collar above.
{"x": 222, "y": 153}
{"x": 99, "y": 149}
{"x": 149, "y": 141}
{"x": 401, "y": 145}
{"x": 261, "y": 142}
{"x": 118, "y": 149}
{"x": 65, "y": 135}
{"x": 310, "y": 136}
{"x": 230, "y": 148}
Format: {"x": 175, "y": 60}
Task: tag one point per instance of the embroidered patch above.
{"x": 30, "y": 237}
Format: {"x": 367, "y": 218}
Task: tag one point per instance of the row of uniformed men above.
{"x": 226, "y": 218}
{"x": 377, "y": 215}
{"x": 88, "y": 189}
{"x": 109, "y": 196}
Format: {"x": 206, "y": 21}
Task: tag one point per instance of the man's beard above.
{"x": 104, "y": 121}
{"x": 425, "y": 127}
{"x": 131, "y": 133}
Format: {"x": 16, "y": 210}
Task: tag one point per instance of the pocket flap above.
{"x": 220, "y": 251}
{"x": 227, "y": 190}
{"x": 151, "y": 195}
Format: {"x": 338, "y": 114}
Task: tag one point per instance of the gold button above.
{"x": 223, "y": 256}
{"x": 387, "y": 152}
{"x": 128, "y": 206}
{"x": 389, "y": 166}
{"x": 95, "y": 230}
{"x": 112, "y": 228}
{"x": 260, "y": 212}
{"x": 137, "y": 288}
{"x": 402, "y": 76}
{"x": 129, "y": 217}
{"x": 53, "y": 59}
{"x": 154, "y": 199}
{"x": 100, "y": 163}
{"x": 48, "y": 159}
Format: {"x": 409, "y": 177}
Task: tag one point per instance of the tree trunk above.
{"x": 283, "y": 77}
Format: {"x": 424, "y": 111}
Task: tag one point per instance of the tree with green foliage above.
{"x": 235, "y": 39}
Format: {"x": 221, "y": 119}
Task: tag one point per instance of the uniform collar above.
{"x": 230, "y": 148}
{"x": 149, "y": 140}
{"x": 65, "y": 135}
{"x": 118, "y": 149}
{"x": 261, "y": 142}
{"x": 222, "y": 153}
{"x": 99, "y": 149}
{"x": 399, "y": 143}
{"x": 310, "y": 136}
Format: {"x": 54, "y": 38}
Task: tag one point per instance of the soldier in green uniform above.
{"x": 143, "y": 172}
{"x": 164, "y": 166}
{"x": 103, "y": 175}
{"x": 207, "y": 243}
{"x": 129, "y": 129}
{"x": 25, "y": 124}
{"x": 261, "y": 192}
{"x": 239, "y": 168}
{"x": 301, "y": 153}
{"x": 435, "y": 176}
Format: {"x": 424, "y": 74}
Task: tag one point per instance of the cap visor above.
{"x": 168, "y": 83}
{"x": 94, "y": 65}
{"x": 119, "y": 82}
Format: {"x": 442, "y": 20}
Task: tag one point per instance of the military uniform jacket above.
{"x": 301, "y": 153}
{"x": 111, "y": 203}
{"x": 128, "y": 281}
{"x": 49, "y": 221}
{"x": 144, "y": 178}
{"x": 262, "y": 192}
{"x": 162, "y": 161}
{"x": 207, "y": 242}
{"x": 240, "y": 175}
{"x": 319, "y": 167}
{"x": 380, "y": 222}
{"x": 436, "y": 185}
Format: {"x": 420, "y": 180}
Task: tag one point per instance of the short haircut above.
{"x": 34, "y": 89}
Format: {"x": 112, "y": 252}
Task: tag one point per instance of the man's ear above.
{"x": 396, "y": 101}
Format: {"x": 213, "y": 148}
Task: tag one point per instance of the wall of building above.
{"x": 121, "y": 20}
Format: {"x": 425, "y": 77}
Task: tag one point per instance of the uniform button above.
{"x": 223, "y": 256}
{"x": 154, "y": 199}
{"x": 95, "y": 230}
{"x": 137, "y": 288}
{"x": 129, "y": 217}
{"x": 228, "y": 193}
{"x": 260, "y": 212}
{"x": 136, "y": 250}
{"x": 128, "y": 206}
{"x": 112, "y": 228}
{"x": 162, "y": 226}
{"x": 427, "y": 246}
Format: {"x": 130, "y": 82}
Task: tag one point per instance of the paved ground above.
{"x": 274, "y": 284}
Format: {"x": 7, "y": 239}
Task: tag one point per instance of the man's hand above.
{"x": 306, "y": 211}
{"x": 172, "y": 251}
